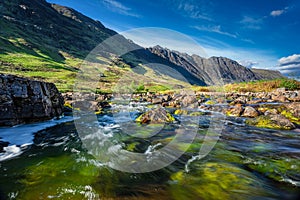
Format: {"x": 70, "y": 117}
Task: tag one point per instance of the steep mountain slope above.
{"x": 49, "y": 42}
{"x": 214, "y": 70}
{"x": 44, "y": 41}
{"x": 50, "y": 26}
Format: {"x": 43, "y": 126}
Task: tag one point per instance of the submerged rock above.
{"x": 157, "y": 115}
{"x": 63, "y": 177}
{"x": 280, "y": 169}
{"x": 23, "y": 100}
{"x": 217, "y": 181}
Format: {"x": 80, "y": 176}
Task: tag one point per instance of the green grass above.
{"x": 23, "y": 58}
{"x": 263, "y": 85}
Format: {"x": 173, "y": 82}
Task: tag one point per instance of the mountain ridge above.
{"x": 213, "y": 70}
{"x": 49, "y": 42}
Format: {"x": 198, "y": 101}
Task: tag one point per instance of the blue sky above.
{"x": 256, "y": 33}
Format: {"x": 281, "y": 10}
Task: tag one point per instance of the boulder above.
{"x": 271, "y": 112}
{"x": 189, "y": 101}
{"x": 250, "y": 112}
{"x": 294, "y": 108}
{"x": 280, "y": 90}
{"x": 292, "y": 112}
{"x": 23, "y": 100}
{"x": 239, "y": 100}
{"x": 157, "y": 100}
{"x": 271, "y": 121}
{"x": 157, "y": 115}
{"x": 279, "y": 98}
{"x": 235, "y": 111}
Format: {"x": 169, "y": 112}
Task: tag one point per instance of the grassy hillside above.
{"x": 46, "y": 42}
{"x": 49, "y": 42}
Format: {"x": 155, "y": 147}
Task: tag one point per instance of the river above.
{"x": 214, "y": 157}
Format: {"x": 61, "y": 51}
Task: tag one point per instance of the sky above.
{"x": 256, "y": 33}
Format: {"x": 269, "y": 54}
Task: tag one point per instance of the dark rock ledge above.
{"x": 23, "y": 100}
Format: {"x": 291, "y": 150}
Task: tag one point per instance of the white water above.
{"x": 21, "y": 136}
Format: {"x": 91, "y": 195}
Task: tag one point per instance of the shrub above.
{"x": 289, "y": 84}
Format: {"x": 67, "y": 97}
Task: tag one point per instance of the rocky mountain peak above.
{"x": 213, "y": 70}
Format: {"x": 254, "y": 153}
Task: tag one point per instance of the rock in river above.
{"x": 276, "y": 121}
{"x": 157, "y": 115}
{"x": 23, "y": 100}
{"x": 250, "y": 112}
{"x": 235, "y": 111}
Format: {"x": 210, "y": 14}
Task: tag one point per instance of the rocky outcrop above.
{"x": 214, "y": 70}
{"x": 23, "y": 100}
{"x": 157, "y": 115}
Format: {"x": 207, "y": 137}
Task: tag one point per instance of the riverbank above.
{"x": 279, "y": 109}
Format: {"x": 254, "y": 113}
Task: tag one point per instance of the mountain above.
{"x": 51, "y": 27}
{"x": 50, "y": 42}
{"x": 214, "y": 70}
{"x": 267, "y": 74}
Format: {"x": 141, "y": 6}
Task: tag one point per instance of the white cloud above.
{"x": 293, "y": 59}
{"x": 290, "y": 65}
{"x": 251, "y": 22}
{"x": 118, "y": 7}
{"x": 214, "y": 29}
{"x": 248, "y": 63}
{"x": 276, "y": 13}
{"x": 149, "y": 37}
{"x": 198, "y": 10}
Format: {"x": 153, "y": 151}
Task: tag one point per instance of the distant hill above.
{"x": 49, "y": 42}
{"x": 214, "y": 70}
{"x": 267, "y": 74}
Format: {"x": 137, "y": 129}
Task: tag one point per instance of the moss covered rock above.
{"x": 216, "y": 181}
{"x": 157, "y": 115}
{"x": 250, "y": 112}
{"x": 181, "y": 112}
{"x": 235, "y": 111}
{"x": 272, "y": 122}
{"x": 292, "y": 112}
{"x": 210, "y": 102}
{"x": 62, "y": 177}
{"x": 279, "y": 169}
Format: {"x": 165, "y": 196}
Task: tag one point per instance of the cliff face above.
{"x": 23, "y": 100}
{"x": 214, "y": 70}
